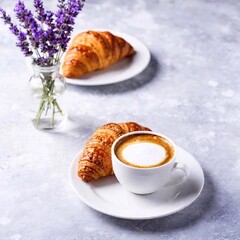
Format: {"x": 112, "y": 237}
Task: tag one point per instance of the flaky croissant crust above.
{"x": 90, "y": 51}
{"x": 95, "y": 161}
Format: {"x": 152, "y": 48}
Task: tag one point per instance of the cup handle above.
{"x": 184, "y": 168}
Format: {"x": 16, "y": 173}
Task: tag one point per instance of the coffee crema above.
{"x": 144, "y": 150}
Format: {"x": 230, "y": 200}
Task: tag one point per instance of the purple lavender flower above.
{"x": 14, "y": 29}
{"x": 48, "y": 34}
{"x": 22, "y": 40}
{"x": 28, "y": 22}
{"x": 48, "y": 18}
{"x": 42, "y": 61}
{"x": 25, "y": 16}
{"x": 42, "y": 15}
{"x": 65, "y": 20}
{"x": 23, "y": 44}
{"x": 48, "y": 43}
{"x": 6, "y": 18}
{"x": 61, "y": 3}
{"x": 38, "y": 4}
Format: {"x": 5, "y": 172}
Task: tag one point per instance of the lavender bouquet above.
{"x": 43, "y": 36}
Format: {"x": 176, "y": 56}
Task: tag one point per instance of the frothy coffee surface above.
{"x": 144, "y": 154}
{"x": 144, "y": 150}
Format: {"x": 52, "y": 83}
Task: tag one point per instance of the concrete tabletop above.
{"x": 189, "y": 92}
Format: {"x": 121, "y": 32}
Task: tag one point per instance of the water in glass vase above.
{"x": 47, "y": 87}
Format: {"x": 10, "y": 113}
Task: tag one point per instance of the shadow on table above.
{"x": 136, "y": 82}
{"x": 77, "y": 125}
{"x": 203, "y": 206}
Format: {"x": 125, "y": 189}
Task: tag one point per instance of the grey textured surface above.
{"x": 190, "y": 92}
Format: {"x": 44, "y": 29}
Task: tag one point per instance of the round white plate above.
{"x": 106, "y": 195}
{"x": 120, "y": 71}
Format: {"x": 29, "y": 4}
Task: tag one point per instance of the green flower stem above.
{"x": 59, "y": 109}
{"x": 53, "y": 113}
{"x": 48, "y": 101}
{"x": 48, "y": 106}
{"x": 39, "y": 114}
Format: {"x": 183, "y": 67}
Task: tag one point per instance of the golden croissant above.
{"x": 90, "y": 51}
{"x": 95, "y": 161}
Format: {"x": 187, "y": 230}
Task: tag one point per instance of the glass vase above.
{"x": 47, "y": 87}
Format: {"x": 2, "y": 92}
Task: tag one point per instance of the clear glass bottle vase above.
{"x": 47, "y": 87}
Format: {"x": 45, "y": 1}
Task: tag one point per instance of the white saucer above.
{"x": 120, "y": 71}
{"x": 109, "y": 197}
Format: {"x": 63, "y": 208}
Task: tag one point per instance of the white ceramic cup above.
{"x": 148, "y": 180}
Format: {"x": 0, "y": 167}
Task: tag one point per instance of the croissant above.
{"x": 90, "y": 51}
{"x": 95, "y": 161}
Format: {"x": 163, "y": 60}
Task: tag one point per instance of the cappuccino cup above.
{"x": 144, "y": 162}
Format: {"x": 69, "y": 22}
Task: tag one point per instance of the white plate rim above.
{"x": 104, "y": 211}
{"x": 131, "y": 39}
